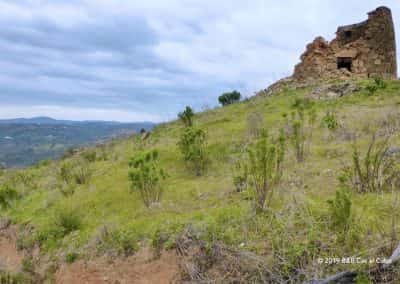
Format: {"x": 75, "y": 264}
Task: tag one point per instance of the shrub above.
{"x": 330, "y": 121}
{"x": 340, "y": 210}
{"x": 374, "y": 171}
{"x": 301, "y": 125}
{"x": 229, "y": 98}
{"x": 75, "y": 171}
{"x": 381, "y": 84}
{"x": 2, "y": 169}
{"x": 89, "y": 155}
{"x": 302, "y": 103}
{"x": 67, "y": 221}
{"x": 240, "y": 176}
{"x": 192, "y": 145}
{"x": 71, "y": 257}
{"x": 68, "y": 153}
{"x": 255, "y": 122}
{"x": 187, "y": 116}
{"x": 123, "y": 242}
{"x": 371, "y": 89}
{"x": 146, "y": 177}
{"x": 82, "y": 172}
{"x": 377, "y": 84}
{"x": 101, "y": 153}
{"x": 67, "y": 189}
{"x": 265, "y": 159}
{"x": 17, "y": 278}
{"x": 7, "y": 195}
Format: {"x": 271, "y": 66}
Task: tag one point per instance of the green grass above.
{"x": 296, "y": 226}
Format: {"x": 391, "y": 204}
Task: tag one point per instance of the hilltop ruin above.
{"x": 363, "y": 50}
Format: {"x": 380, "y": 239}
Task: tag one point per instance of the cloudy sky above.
{"x": 132, "y": 60}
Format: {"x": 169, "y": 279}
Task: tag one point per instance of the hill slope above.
{"x": 103, "y": 216}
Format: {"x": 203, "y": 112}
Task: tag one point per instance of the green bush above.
{"x": 75, "y": 171}
{"x": 255, "y": 122}
{"x": 18, "y": 278}
{"x": 187, "y": 116}
{"x": 302, "y": 103}
{"x": 381, "y": 84}
{"x": 377, "y": 84}
{"x": 229, "y": 98}
{"x": 71, "y": 257}
{"x": 265, "y": 159}
{"x": 7, "y": 195}
{"x": 330, "y": 120}
{"x": 123, "y": 242}
{"x": 240, "y": 176}
{"x": 301, "y": 126}
{"x": 68, "y": 153}
{"x": 340, "y": 210}
{"x": 67, "y": 221}
{"x": 374, "y": 171}
{"x": 101, "y": 153}
{"x": 89, "y": 155}
{"x": 146, "y": 177}
{"x": 371, "y": 89}
{"x": 193, "y": 148}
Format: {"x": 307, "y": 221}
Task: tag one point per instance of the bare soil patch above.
{"x": 136, "y": 269}
{"x": 10, "y": 258}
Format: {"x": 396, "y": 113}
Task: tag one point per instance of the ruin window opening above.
{"x": 345, "y": 62}
{"x": 347, "y": 34}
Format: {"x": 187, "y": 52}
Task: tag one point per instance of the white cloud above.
{"x": 153, "y": 57}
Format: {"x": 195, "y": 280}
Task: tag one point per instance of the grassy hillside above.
{"x": 292, "y": 234}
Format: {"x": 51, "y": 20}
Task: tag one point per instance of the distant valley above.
{"x": 24, "y": 142}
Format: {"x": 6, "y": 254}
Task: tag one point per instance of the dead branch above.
{"x": 349, "y": 276}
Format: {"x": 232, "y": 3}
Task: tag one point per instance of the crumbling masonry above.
{"x": 364, "y": 50}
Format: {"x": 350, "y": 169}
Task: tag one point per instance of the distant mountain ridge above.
{"x": 25, "y": 141}
{"x": 51, "y": 121}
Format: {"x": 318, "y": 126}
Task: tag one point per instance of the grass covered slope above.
{"x": 103, "y": 215}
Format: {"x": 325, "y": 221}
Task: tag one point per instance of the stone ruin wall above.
{"x": 370, "y": 47}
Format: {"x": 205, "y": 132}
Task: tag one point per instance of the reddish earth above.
{"x": 137, "y": 269}
{"x": 142, "y": 268}
{"x": 10, "y": 259}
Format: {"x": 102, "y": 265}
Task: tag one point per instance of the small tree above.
{"x": 240, "y": 176}
{"x": 192, "y": 145}
{"x": 300, "y": 131}
{"x": 340, "y": 210}
{"x": 265, "y": 168}
{"x": 187, "y": 116}
{"x": 146, "y": 177}
{"x": 330, "y": 120}
{"x": 229, "y": 98}
{"x": 374, "y": 171}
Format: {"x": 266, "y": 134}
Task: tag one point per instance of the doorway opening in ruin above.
{"x": 345, "y": 62}
{"x": 348, "y": 34}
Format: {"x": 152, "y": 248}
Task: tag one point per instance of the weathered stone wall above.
{"x": 369, "y": 47}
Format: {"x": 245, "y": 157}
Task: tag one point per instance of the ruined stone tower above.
{"x": 363, "y": 50}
